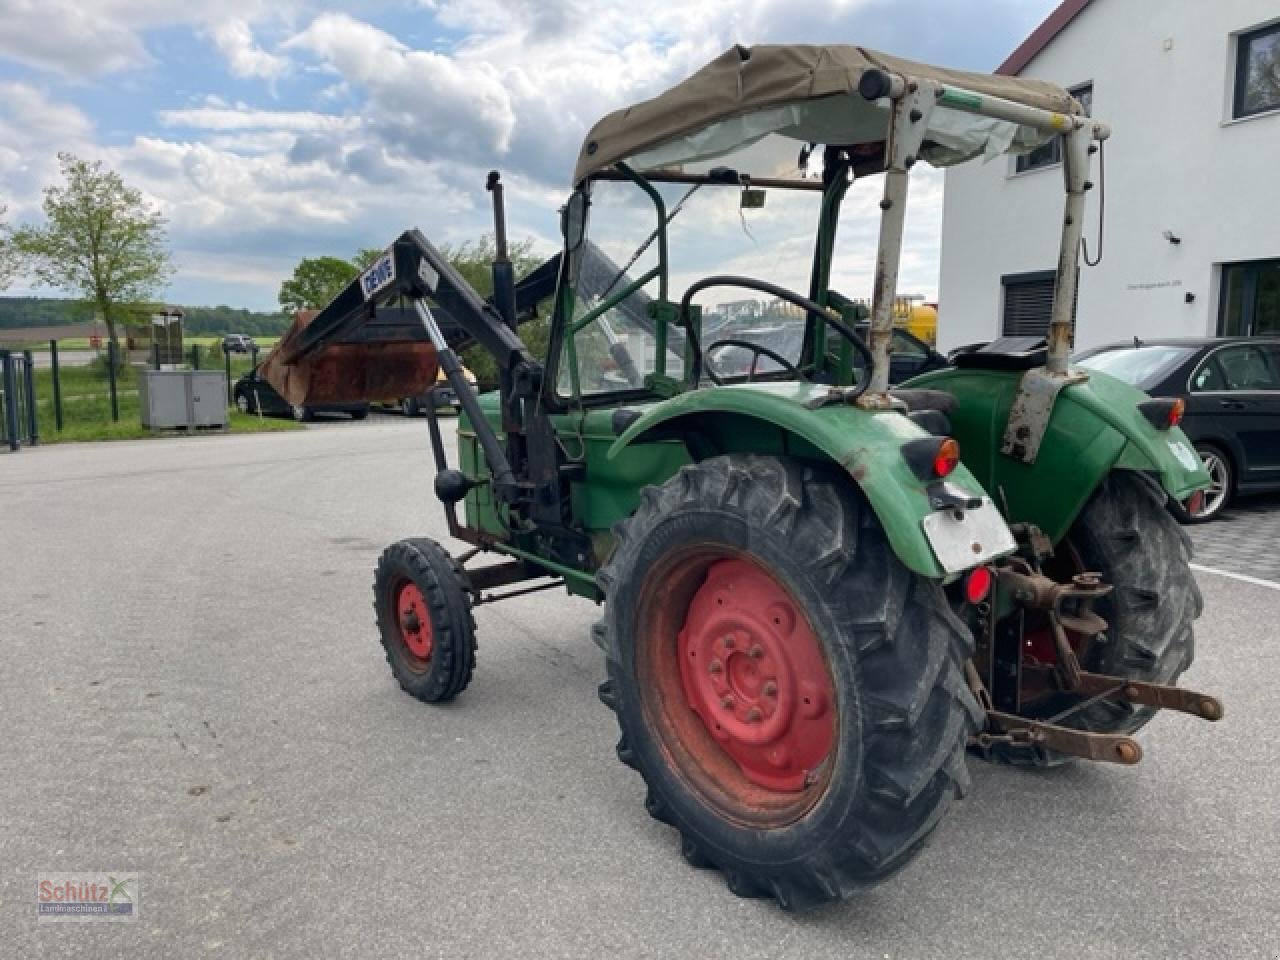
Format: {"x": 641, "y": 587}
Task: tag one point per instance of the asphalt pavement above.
{"x": 193, "y": 694}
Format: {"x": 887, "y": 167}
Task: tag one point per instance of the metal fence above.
{"x": 72, "y": 393}
{"x": 19, "y": 422}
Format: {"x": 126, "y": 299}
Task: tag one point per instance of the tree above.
{"x": 365, "y": 256}
{"x": 473, "y": 259}
{"x": 315, "y": 281}
{"x": 101, "y": 240}
{"x": 6, "y": 251}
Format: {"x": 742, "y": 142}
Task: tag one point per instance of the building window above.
{"x": 1250, "y": 299}
{"x": 1257, "y": 71}
{"x": 1028, "y": 301}
{"x": 1049, "y": 154}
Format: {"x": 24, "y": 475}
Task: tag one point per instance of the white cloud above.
{"x": 79, "y": 39}
{"x": 234, "y": 40}
{"x": 428, "y": 103}
{"x": 67, "y": 37}
{"x": 242, "y": 117}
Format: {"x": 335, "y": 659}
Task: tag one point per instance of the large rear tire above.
{"x": 791, "y": 694}
{"x": 1126, "y": 534}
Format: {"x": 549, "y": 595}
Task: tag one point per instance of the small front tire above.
{"x": 424, "y": 618}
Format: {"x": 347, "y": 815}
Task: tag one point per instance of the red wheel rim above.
{"x": 414, "y": 623}
{"x": 738, "y": 687}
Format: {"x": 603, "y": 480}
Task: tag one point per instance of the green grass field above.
{"x": 86, "y": 406}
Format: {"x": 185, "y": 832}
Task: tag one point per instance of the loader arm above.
{"x": 412, "y": 268}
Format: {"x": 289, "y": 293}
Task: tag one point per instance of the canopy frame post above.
{"x": 911, "y": 102}
{"x": 1075, "y": 166}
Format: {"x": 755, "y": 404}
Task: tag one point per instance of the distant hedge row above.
{"x": 48, "y": 311}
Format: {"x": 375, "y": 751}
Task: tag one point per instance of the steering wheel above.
{"x": 804, "y": 303}
{"x": 757, "y": 351}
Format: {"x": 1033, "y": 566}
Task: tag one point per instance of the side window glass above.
{"x": 904, "y": 346}
{"x": 1208, "y": 377}
{"x": 1247, "y": 368}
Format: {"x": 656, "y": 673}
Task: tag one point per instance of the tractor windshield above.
{"x": 611, "y": 342}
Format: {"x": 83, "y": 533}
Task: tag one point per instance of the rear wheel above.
{"x": 424, "y": 619}
{"x": 1221, "y": 483}
{"x": 1125, "y": 534}
{"x": 791, "y": 694}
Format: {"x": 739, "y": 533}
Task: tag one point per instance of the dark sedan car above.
{"x": 1231, "y": 387}
{"x": 253, "y": 394}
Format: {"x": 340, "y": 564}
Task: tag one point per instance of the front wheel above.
{"x": 424, "y": 619}
{"x": 791, "y": 694}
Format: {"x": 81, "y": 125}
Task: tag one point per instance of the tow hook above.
{"x": 1069, "y": 607}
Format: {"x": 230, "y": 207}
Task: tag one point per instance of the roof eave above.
{"x": 1041, "y": 37}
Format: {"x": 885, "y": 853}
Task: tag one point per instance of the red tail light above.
{"x": 931, "y": 457}
{"x": 977, "y": 585}
{"x": 1164, "y": 413}
{"x": 947, "y": 457}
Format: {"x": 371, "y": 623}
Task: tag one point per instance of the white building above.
{"x": 1191, "y": 242}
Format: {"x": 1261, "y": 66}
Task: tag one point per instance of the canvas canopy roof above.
{"x": 808, "y": 93}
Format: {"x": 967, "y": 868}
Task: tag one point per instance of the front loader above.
{"x": 819, "y": 593}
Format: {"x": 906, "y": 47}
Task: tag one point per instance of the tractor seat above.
{"x": 1003, "y": 353}
{"x": 928, "y": 409}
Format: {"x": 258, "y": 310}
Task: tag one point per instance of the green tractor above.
{"x": 821, "y": 591}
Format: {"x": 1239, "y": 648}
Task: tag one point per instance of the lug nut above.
{"x": 728, "y": 641}
{"x": 754, "y": 715}
{"x": 770, "y": 689}
{"x": 756, "y": 652}
{"x": 715, "y": 666}
{"x": 726, "y": 702}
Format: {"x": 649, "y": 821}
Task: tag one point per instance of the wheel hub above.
{"x": 755, "y": 675}
{"x": 414, "y": 622}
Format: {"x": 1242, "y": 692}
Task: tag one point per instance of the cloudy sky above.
{"x": 268, "y": 130}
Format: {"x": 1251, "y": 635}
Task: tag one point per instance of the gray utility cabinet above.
{"x": 182, "y": 398}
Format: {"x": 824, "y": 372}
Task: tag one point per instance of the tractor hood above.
{"x": 809, "y": 94}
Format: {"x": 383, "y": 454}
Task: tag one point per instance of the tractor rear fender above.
{"x": 773, "y": 419}
{"x": 1095, "y": 427}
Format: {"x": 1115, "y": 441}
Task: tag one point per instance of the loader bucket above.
{"x": 385, "y": 358}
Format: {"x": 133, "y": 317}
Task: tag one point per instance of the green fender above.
{"x": 772, "y": 418}
{"x": 1095, "y": 427}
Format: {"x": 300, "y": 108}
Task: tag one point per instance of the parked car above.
{"x": 1231, "y": 387}
{"x": 237, "y": 343}
{"x": 909, "y": 355}
{"x": 445, "y": 397}
{"x": 253, "y": 394}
